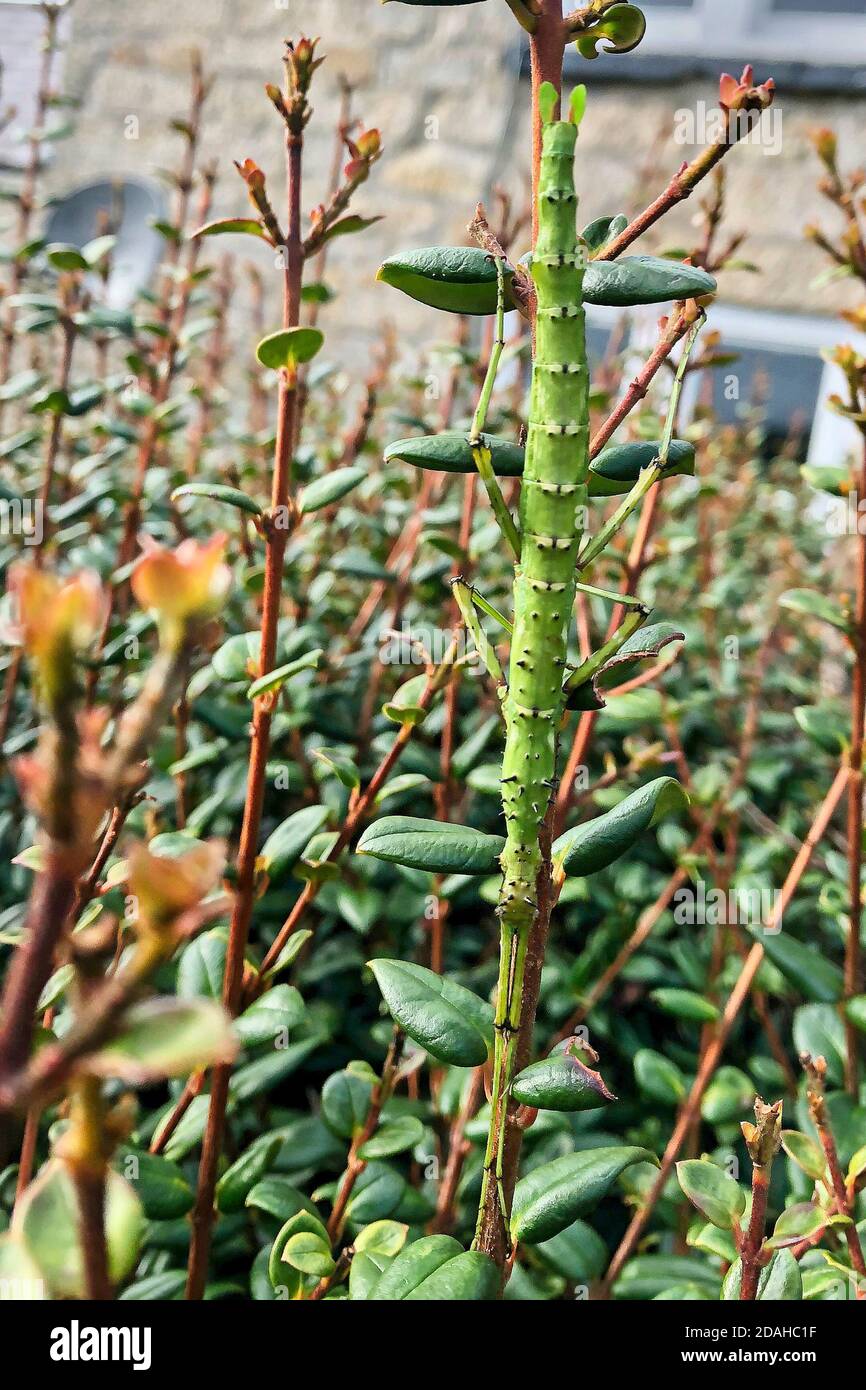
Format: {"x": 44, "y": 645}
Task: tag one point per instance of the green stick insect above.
{"x": 552, "y": 556}
{"x": 553, "y": 508}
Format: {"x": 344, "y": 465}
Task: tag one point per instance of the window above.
{"x": 775, "y": 30}
{"x": 780, "y": 369}
{"x": 22, "y": 27}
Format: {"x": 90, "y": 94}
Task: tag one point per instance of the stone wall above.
{"x": 442, "y": 86}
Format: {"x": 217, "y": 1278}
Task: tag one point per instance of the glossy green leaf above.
{"x": 658, "y": 1077}
{"x": 230, "y": 496}
{"x": 324, "y": 491}
{"x": 239, "y": 1179}
{"x": 551, "y": 1197}
{"x": 805, "y": 1152}
{"x": 450, "y": 1022}
{"x": 393, "y": 1137}
{"x": 616, "y": 469}
{"x": 269, "y": 1017}
{"x": 855, "y": 1011}
{"x": 684, "y": 1003}
{"x": 438, "y": 846}
{"x": 285, "y": 845}
{"x": 827, "y": 724}
{"x": 644, "y": 280}
{"x": 162, "y": 1187}
{"x": 561, "y": 1082}
{"x": 815, "y": 977}
{"x": 459, "y": 279}
{"x": 595, "y": 844}
{"x": 437, "y": 1268}
{"x": 346, "y": 1097}
{"x": 620, "y": 29}
{"x": 245, "y": 225}
{"x": 713, "y": 1192}
{"x": 449, "y": 452}
{"x": 275, "y": 680}
{"x": 289, "y": 347}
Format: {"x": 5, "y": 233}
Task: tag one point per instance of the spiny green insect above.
{"x": 552, "y": 508}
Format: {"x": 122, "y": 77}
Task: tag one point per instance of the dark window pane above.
{"x": 827, "y": 7}
{"x": 781, "y": 386}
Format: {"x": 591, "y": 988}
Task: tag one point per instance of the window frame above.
{"x": 752, "y": 30}
{"x": 832, "y": 438}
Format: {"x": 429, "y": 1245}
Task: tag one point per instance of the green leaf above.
{"x": 247, "y": 225}
{"x": 459, "y": 279}
{"x": 275, "y": 680}
{"x": 309, "y": 1252}
{"x": 617, "y": 469}
{"x": 393, "y": 1137}
{"x": 805, "y": 1152}
{"x": 305, "y": 1252}
{"x": 603, "y": 230}
{"x": 815, "y": 977}
{"x": 64, "y": 257}
{"x": 658, "y": 1077}
{"x": 589, "y": 847}
{"x": 826, "y": 724}
{"x": 728, "y": 1097}
{"x": 449, "y": 452}
{"x": 161, "y": 1185}
{"x": 437, "y": 1268}
{"x": 813, "y": 605}
{"x": 644, "y": 280}
{"x": 551, "y": 1197}
{"x": 713, "y": 1192}
{"x": 438, "y": 846}
{"x": 344, "y": 768}
{"x": 819, "y": 1030}
{"x": 230, "y": 496}
{"x": 780, "y": 1281}
{"x": 450, "y": 1022}
{"x": 47, "y": 1223}
{"x": 346, "y": 226}
{"x": 285, "y": 845}
{"x": 684, "y": 1003}
{"x": 622, "y": 26}
{"x": 795, "y": 1224}
{"x": 202, "y": 964}
{"x": 382, "y": 1238}
{"x": 346, "y": 1099}
{"x": 855, "y": 1011}
{"x": 289, "y": 347}
{"x": 560, "y": 1082}
{"x": 239, "y": 1179}
{"x": 322, "y": 492}
{"x": 277, "y": 1011}
{"x": 166, "y": 1037}
{"x": 405, "y": 706}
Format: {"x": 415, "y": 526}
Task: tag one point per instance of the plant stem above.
{"x": 276, "y": 539}
{"x": 88, "y": 1170}
{"x": 853, "y": 972}
{"x": 816, "y": 1071}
